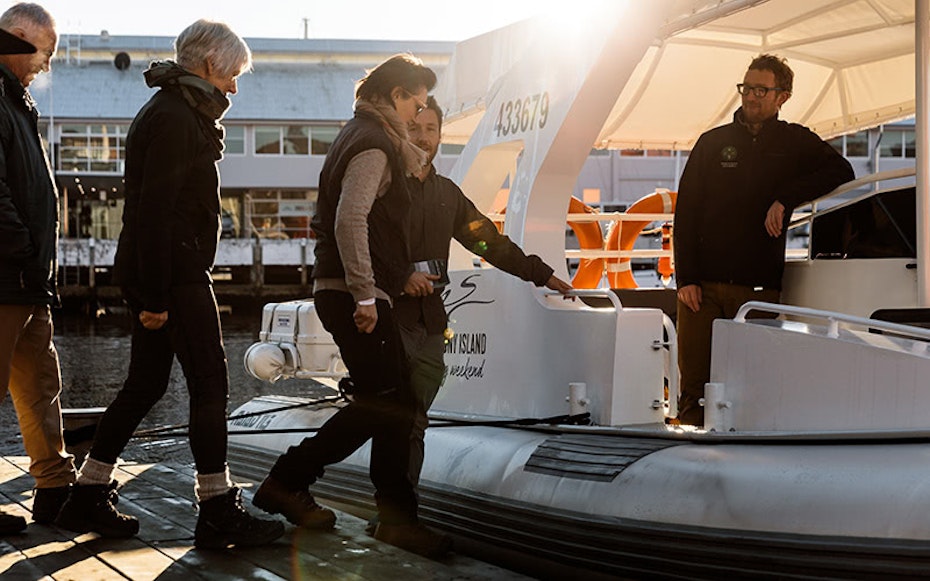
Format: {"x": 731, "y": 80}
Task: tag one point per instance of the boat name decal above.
{"x": 522, "y": 114}
{"x": 468, "y": 344}
{"x": 467, "y": 370}
{"x": 470, "y": 288}
{"x": 254, "y": 422}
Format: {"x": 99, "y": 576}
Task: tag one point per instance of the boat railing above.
{"x": 802, "y": 218}
{"x": 833, "y": 321}
{"x": 670, "y": 341}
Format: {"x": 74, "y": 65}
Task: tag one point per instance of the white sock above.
{"x": 208, "y": 486}
{"x": 95, "y": 472}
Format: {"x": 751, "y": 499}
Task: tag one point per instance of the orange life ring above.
{"x": 590, "y": 237}
{"x": 622, "y": 236}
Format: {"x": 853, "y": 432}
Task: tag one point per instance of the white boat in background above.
{"x": 815, "y": 460}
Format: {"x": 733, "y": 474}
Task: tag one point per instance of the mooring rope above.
{"x": 574, "y": 420}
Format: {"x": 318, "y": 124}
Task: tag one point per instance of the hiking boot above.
{"x": 415, "y": 538}
{"x": 89, "y": 509}
{"x": 297, "y": 506}
{"x": 47, "y": 502}
{"x": 11, "y": 524}
{"x": 223, "y": 521}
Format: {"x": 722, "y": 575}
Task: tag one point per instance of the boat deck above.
{"x": 161, "y": 497}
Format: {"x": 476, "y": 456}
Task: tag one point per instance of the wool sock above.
{"x": 209, "y": 486}
{"x": 95, "y": 472}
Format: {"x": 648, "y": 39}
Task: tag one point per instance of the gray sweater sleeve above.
{"x": 367, "y": 177}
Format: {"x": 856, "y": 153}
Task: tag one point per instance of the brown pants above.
{"x": 719, "y": 301}
{"x": 29, "y": 371}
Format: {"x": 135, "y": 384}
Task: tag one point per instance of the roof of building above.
{"x": 291, "y": 80}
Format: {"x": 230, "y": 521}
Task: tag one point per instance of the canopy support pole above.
{"x": 922, "y": 136}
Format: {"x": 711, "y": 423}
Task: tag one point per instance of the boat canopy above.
{"x": 854, "y": 63}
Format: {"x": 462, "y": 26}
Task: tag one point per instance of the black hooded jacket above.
{"x": 28, "y": 202}
{"x": 171, "y": 220}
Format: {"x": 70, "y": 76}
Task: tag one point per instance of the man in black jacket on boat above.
{"x": 736, "y": 195}
{"x": 439, "y": 212}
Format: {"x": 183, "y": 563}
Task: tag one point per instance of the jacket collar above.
{"x": 768, "y": 123}
{"x": 11, "y": 87}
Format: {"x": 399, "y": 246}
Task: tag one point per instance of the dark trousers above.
{"x": 425, "y": 356}
{"x": 382, "y": 411}
{"x": 719, "y": 301}
{"x": 193, "y": 334}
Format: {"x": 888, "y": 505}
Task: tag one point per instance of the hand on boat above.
{"x": 691, "y": 296}
{"x": 420, "y": 284}
{"x": 774, "y": 219}
{"x": 558, "y": 285}
{"x": 365, "y": 317}
{"x": 153, "y": 321}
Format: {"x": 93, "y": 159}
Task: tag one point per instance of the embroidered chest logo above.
{"x": 728, "y": 156}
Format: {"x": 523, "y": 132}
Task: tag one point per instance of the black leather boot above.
{"x": 89, "y": 508}
{"x": 223, "y": 521}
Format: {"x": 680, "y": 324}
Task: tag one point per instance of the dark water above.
{"x": 94, "y": 355}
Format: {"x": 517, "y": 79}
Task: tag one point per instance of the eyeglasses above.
{"x": 759, "y": 92}
{"x": 421, "y": 106}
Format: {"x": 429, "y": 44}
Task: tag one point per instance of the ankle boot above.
{"x": 223, "y": 521}
{"x": 89, "y": 508}
{"x": 298, "y": 506}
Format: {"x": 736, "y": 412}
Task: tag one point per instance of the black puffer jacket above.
{"x": 28, "y": 202}
{"x": 171, "y": 221}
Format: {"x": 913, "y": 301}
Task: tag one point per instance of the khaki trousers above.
{"x": 695, "y": 334}
{"x": 29, "y": 371}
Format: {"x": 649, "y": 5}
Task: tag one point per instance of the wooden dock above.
{"x": 162, "y": 498}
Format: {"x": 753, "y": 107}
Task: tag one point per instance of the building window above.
{"x": 910, "y": 146}
{"x": 322, "y": 137}
{"x": 92, "y": 148}
{"x": 235, "y": 140}
{"x": 892, "y": 143}
{"x": 280, "y": 214}
{"x": 837, "y": 144}
{"x": 857, "y": 144}
{"x": 282, "y": 140}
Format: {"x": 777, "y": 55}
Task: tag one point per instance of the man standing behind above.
{"x": 28, "y": 262}
{"x": 737, "y": 192}
{"x": 439, "y": 212}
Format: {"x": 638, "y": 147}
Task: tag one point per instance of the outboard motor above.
{"x": 293, "y": 343}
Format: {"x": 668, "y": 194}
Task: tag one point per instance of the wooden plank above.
{"x": 161, "y": 497}
{"x": 15, "y": 566}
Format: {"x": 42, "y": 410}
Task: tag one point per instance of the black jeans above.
{"x": 382, "y": 411}
{"x": 193, "y": 334}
